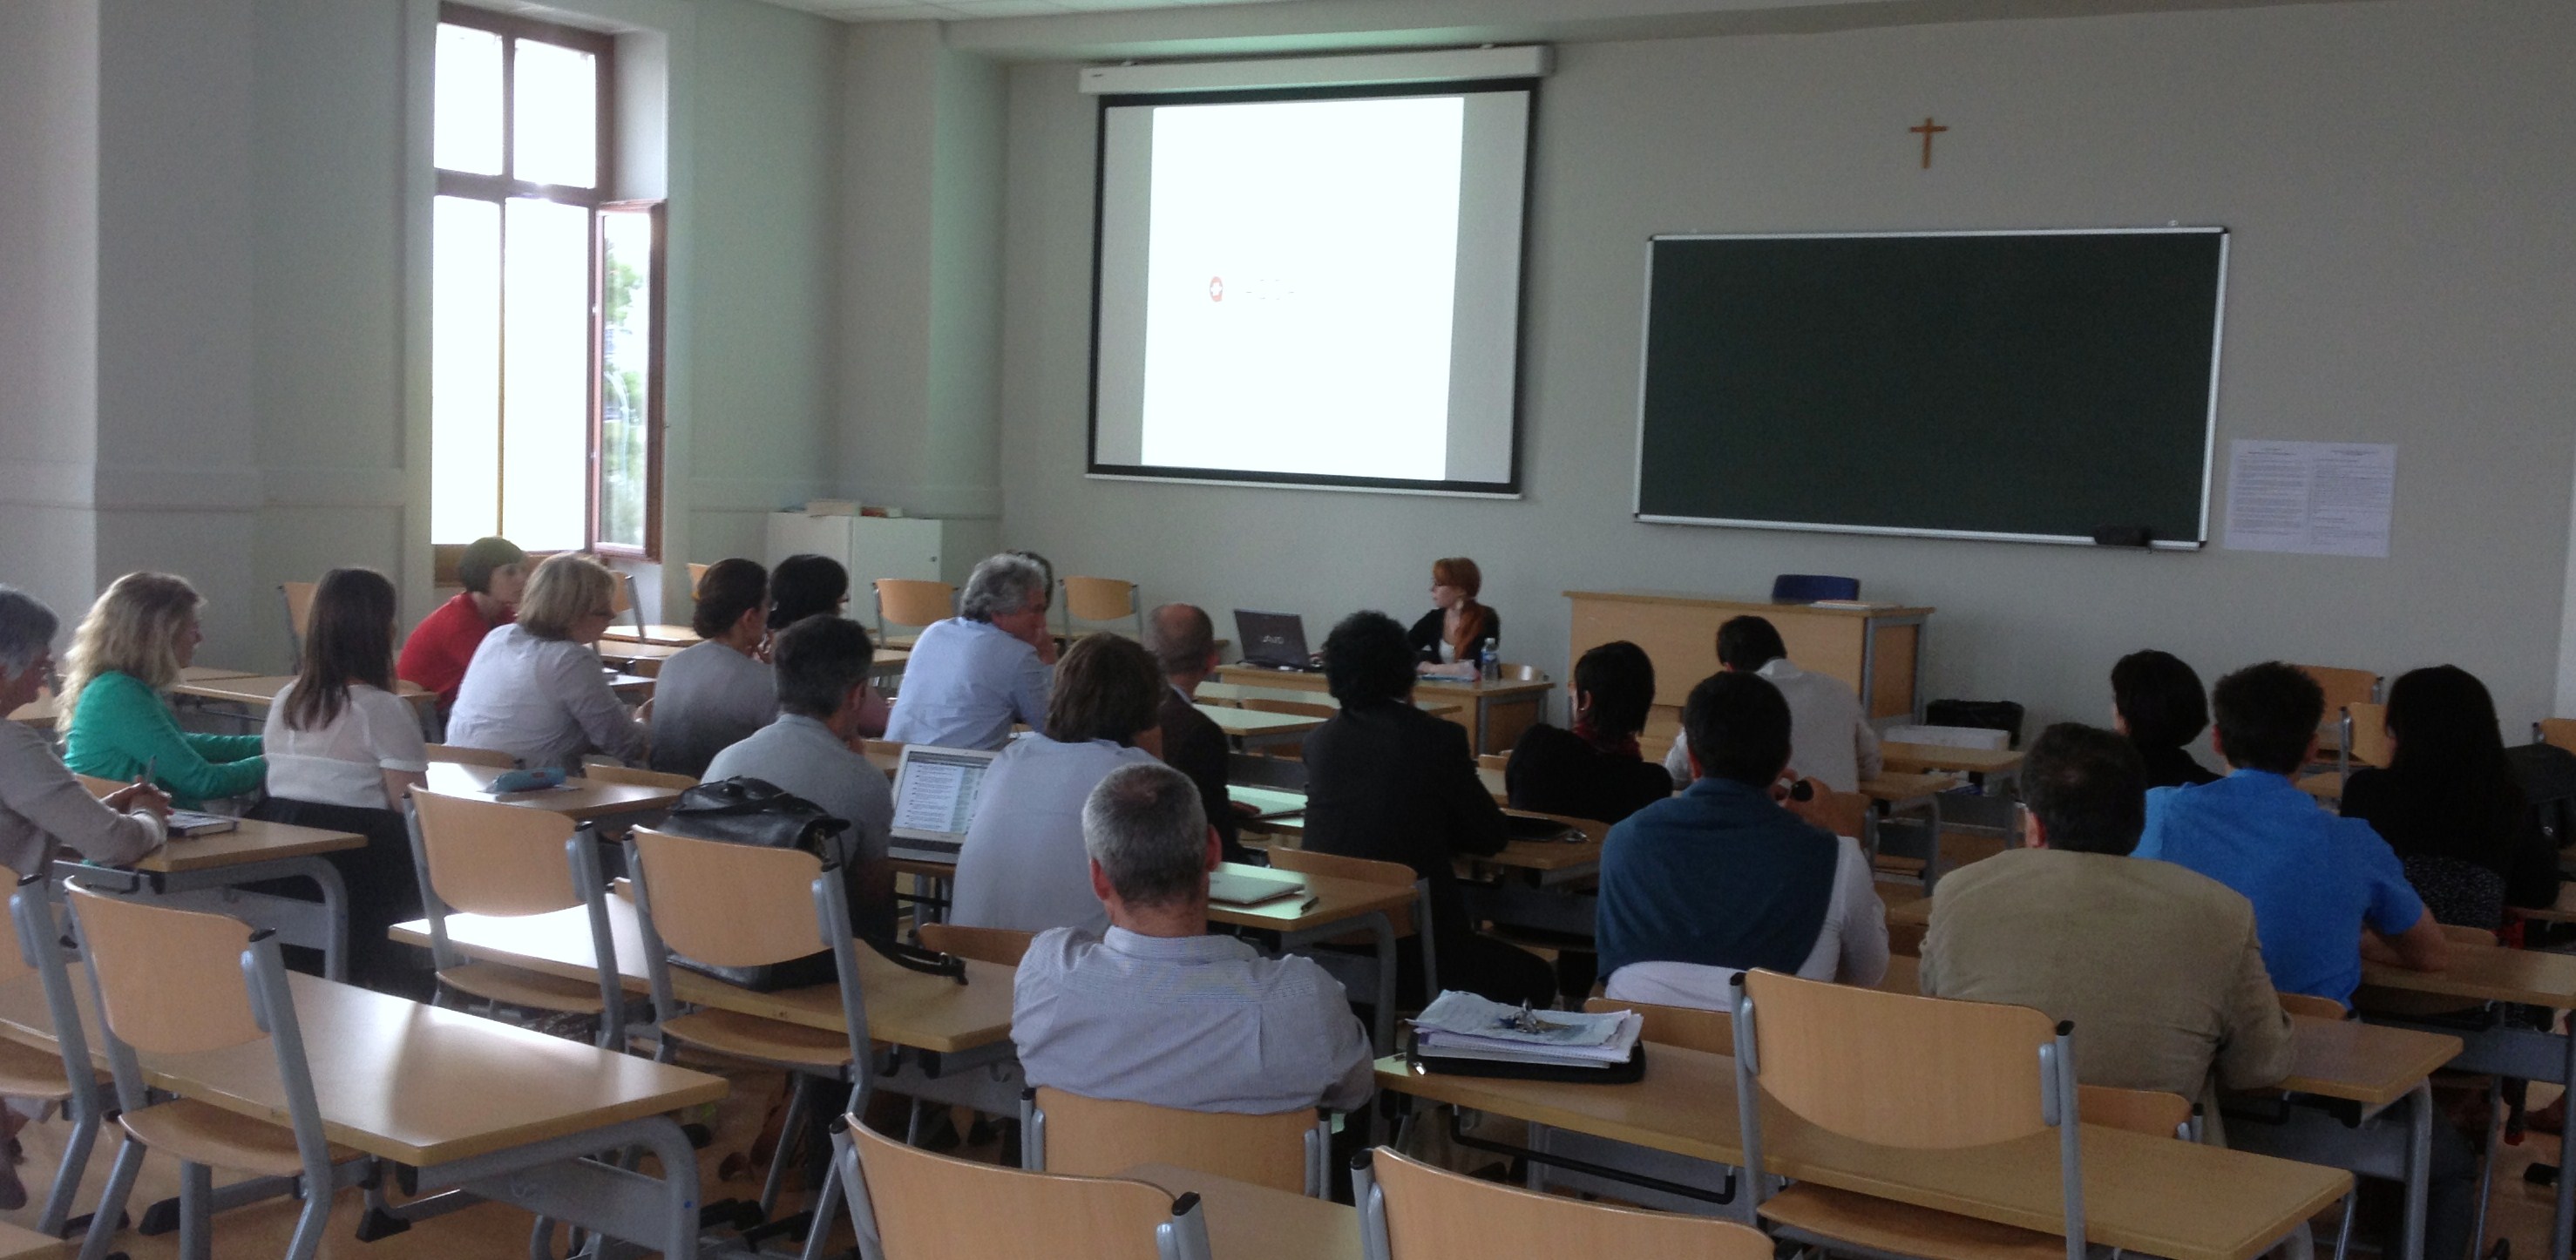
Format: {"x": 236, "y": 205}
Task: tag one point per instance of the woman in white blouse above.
{"x": 347, "y": 750}
{"x": 535, "y": 689}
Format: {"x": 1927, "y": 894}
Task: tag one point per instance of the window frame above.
{"x": 501, "y": 189}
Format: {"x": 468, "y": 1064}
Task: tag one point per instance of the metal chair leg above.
{"x": 111, "y": 1200}
{"x": 196, "y": 1211}
{"x": 799, "y": 1099}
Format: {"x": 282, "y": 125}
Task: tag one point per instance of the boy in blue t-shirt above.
{"x": 2327, "y": 891}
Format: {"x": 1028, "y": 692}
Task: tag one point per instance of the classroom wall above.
{"x": 2397, "y": 178}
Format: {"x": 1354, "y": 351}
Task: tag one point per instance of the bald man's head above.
{"x": 1182, "y": 639}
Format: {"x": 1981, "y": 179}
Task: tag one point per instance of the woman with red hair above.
{"x": 1447, "y": 640}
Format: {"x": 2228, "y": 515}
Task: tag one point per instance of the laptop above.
{"x": 934, "y": 799}
{"x": 1273, "y": 640}
{"x": 1234, "y": 888}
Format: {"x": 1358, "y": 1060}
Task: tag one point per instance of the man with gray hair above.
{"x": 1156, "y": 1010}
{"x": 972, "y": 675}
{"x": 41, "y": 804}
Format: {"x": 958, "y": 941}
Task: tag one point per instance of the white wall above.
{"x": 2397, "y": 177}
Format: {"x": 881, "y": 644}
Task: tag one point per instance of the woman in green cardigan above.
{"x": 115, "y": 721}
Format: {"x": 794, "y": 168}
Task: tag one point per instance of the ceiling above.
{"x": 954, "y": 10}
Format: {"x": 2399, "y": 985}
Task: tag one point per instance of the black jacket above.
{"x": 1193, "y": 745}
{"x": 1393, "y": 783}
{"x": 1553, "y": 771}
{"x": 1425, "y": 634}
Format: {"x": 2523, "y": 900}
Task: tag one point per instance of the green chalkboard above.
{"x": 2038, "y": 385}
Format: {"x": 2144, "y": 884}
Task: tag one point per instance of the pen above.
{"x": 148, "y": 764}
{"x": 1309, "y": 904}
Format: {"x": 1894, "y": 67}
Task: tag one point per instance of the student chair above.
{"x": 66, "y": 1075}
{"x": 912, "y": 603}
{"x": 485, "y": 858}
{"x": 1003, "y": 947}
{"x": 1098, "y": 599}
{"x": 1413, "y": 921}
{"x": 298, "y": 599}
{"x": 633, "y": 776}
{"x": 459, "y": 754}
{"x": 2361, "y": 739}
{"x": 1099, "y": 1137}
{"x": 1410, "y": 1210}
{"x": 2559, "y": 733}
{"x": 909, "y": 1204}
{"x": 1974, "y": 1074}
{"x": 735, "y": 905}
{"x": 623, "y": 602}
{"x": 1807, "y": 588}
{"x": 2343, "y": 687}
{"x": 171, "y": 982}
{"x": 697, "y": 578}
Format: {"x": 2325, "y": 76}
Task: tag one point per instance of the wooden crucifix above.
{"x": 1928, "y": 130}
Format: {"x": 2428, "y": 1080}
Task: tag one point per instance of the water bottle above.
{"x": 1490, "y": 662}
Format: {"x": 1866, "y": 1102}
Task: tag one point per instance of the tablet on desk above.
{"x": 1229, "y": 888}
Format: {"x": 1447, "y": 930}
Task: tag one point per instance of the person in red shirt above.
{"x": 495, "y": 571}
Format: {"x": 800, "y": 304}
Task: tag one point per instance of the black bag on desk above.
{"x": 745, "y": 810}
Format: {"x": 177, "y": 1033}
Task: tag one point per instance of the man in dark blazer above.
{"x": 1183, "y": 640}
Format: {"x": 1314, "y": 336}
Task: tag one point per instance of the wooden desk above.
{"x": 1494, "y": 713}
{"x": 1901, "y": 758}
{"x": 1254, "y": 728}
{"x": 1249, "y": 1222}
{"x": 1878, "y": 651}
{"x": 580, "y": 799}
{"x": 2153, "y": 1195}
{"x": 2561, "y": 911}
{"x": 207, "y": 873}
{"x": 654, "y": 635}
{"x": 905, "y": 1008}
{"x": 213, "y": 673}
{"x": 258, "y": 691}
{"x": 429, "y": 1087}
{"x": 1226, "y": 693}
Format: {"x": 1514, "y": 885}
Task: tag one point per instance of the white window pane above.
{"x": 557, "y": 124}
{"x": 545, "y": 442}
{"x": 625, "y": 375}
{"x": 465, "y": 370}
{"x": 467, "y": 108}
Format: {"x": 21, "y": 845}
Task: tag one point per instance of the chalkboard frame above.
{"x": 2209, "y": 427}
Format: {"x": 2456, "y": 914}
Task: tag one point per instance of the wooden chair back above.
{"x": 1095, "y": 1137}
{"x": 635, "y": 777}
{"x": 925, "y": 1206}
{"x": 913, "y": 602}
{"x": 1686, "y": 1026}
{"x": 697, "y": 578}
{"x": 2366, "y": 741}
{"x": 13, "y": 961}
{"x": 461, "y": 755}
{"x": 2555, "y": 732}
{"x": 489, "y": 858}
{"x": 169, "y": 981}
{"x": 2150, "y": 1111}
{"x": 999, "y": 946}
{"x": 298, "y": 597}
{"x": 2312, "y": 1005}
{"x": 622, "y": 600}
{"x": 2343, "y": 686}
{"x": 1970, "y": 1075}
{"x": 732, "y": 905}
{"x": 1496, "y": 762}
{"x": 1101, "y": 599}
{"x": 1370, "y": 870}
{"x": 1433, "y": 1214}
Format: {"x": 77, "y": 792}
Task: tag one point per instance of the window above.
{"x": 545, "y": 299}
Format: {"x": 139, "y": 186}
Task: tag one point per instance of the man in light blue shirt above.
{"x": 1155, "y": 1010}
{"x": 975, "y": 674}
{"x": 2327, "y": 891}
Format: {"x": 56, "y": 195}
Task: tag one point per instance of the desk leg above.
{"x": 324, "y": 926}
{"x": 1383, "y": 928}
{"x": 561, "y": 1179}
{"x": 2562, "y": 1230}
{"x": 2419, "y": 1166}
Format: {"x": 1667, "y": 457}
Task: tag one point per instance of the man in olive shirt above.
{"x": 2158, "y": 966}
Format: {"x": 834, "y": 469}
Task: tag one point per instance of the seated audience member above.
{"x": 536, "y": 689}
{"x": 1183, "y": 642}
{"x": 1449, "y": 640}
{"x": 2157, "y": 701}
{"x": 2316, "y": 881}
{"x": 1595, "y": 770}
{"x": 2449, "y": 805}
{"x": 343, "y": 750}
{"x": 115, "y": 715}
{"x": 1830, "y": 740}
{"x": 972, "y": 675}
{"x": 495, "y": 574}
{"x": 41, "y": 805}
{"x": 714, "y": 693}
{"x": 822, "y": 672}
{"x": 1387, "y": 781}
{"x": 2158, "y": 966}
{"x": 806, "y": 585}
{"x": 1725, "y": 878}
{"x": 1153, "y": 1008}
{"x": 1039, "y": 636}
{"x": 1022, "y": 863}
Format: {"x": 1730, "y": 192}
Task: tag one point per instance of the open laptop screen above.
{"x": 934, "y": 791}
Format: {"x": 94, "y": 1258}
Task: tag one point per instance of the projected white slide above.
{"x": 1320, "y": 290}
{"x": 1303, "y": 262}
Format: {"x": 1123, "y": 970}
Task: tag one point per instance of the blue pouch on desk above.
{"x": 509, "y": 781}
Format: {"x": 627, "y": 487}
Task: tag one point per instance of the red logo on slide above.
{"x": 1216, "y": 288}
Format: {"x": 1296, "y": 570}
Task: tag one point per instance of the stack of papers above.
{"x": 1465, "y": 1026}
